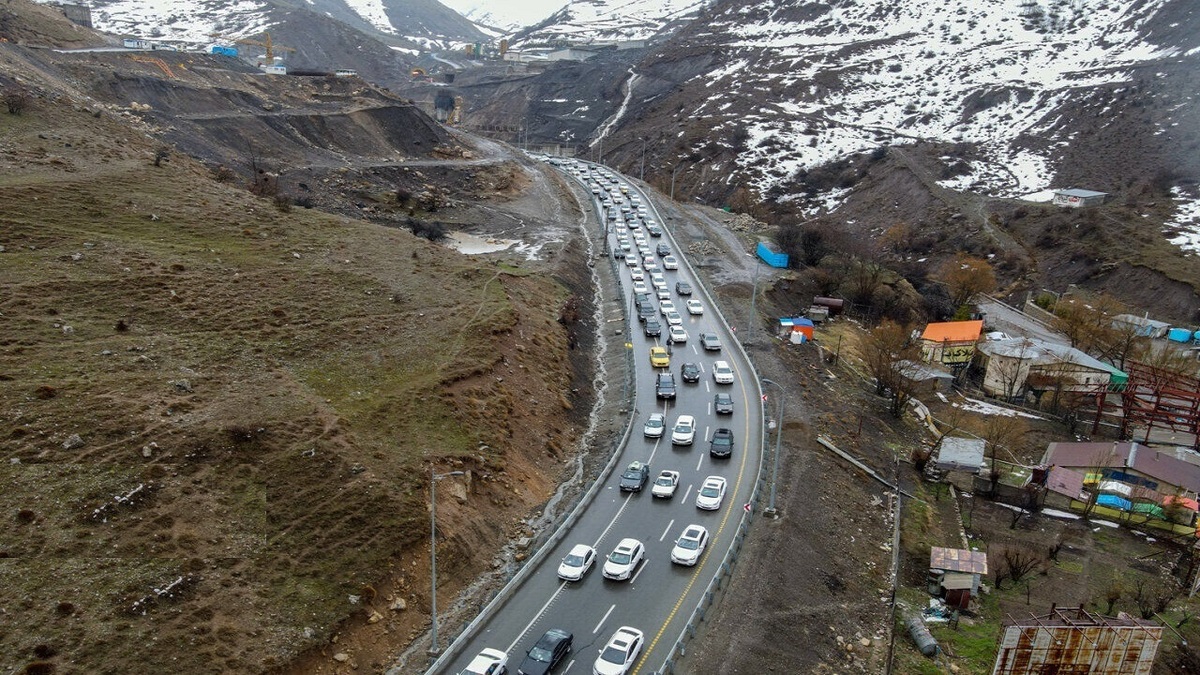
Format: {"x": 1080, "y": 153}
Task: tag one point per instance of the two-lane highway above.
{"x": 659, "y": 595}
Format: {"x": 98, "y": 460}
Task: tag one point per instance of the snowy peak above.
{"x": 830, "y": 80}
{"x": 589, "y": 21}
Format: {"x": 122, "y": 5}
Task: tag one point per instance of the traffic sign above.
{"x": 747, "y": 507}
{"x": 764, "y": 398}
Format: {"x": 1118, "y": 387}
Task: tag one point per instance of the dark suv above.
{"x": 663, "y": 249}
{"x": 635, "y": 477}
{"x": 722, "y": 443}
{"x": 665, "y": 386}
{"x": 652, "y": 327}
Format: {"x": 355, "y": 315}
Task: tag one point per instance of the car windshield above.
{"x": 688, "y": 544}
{"x": 619, "y": 557}
{"x": 663, "y": 480}
{"x": 710, "y": 491}
{"x": 540, "y": 654}
{"x": 683, "y": 428}
{"x": 654, "y": 424}
{"x": 573, "y": 560}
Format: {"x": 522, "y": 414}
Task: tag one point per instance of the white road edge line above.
{"x": 602, "y": 620}
{"x": 701, "y": 462}
{"x": 685, "y": 495}
{"x": 521, "y": 635}
{"x": 633, "y": 579}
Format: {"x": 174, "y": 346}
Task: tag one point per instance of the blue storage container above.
{"x": 770, "y": 256}
{"x": 1179, "y": 335}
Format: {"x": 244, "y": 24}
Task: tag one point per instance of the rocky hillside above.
{"x": 220, "y": 406}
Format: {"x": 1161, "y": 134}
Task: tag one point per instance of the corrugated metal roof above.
{"x": 1079, "y": 192}
{"x": 953, "y": 331}
{"x": 960, "y": 454}
{"x": 958, "y": 560}
{"x": 1065, "y": 482}
{"x": 1040, "y": 352}
{"x": 1162, "y": 466}
{"x": 957, "y": 580}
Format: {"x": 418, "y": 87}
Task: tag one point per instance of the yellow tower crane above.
{"x": 265, "y": 43}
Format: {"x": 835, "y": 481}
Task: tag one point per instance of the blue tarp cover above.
{"x": 1115, "y": 502}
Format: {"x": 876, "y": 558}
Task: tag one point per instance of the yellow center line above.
{"x": 721, "y": 528}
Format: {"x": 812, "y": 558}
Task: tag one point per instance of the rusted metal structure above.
{"x": 1073, "y": 641}
{"x": 1153, "y": 398}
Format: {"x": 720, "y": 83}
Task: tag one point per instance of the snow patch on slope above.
{"x": 983, "y": 73}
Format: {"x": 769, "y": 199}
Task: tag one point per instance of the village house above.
{"x": 1125, "y": 476}
{"x": 955, "y": 573}
{"x": 1015, "y": 366}
{"x": 951, "y": 343}
{"x": 1078, "y": 198}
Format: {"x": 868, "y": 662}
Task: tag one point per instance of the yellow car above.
{"x": 659, "y": 358}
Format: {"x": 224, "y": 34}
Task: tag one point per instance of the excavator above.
{"x": 265, "y": 43}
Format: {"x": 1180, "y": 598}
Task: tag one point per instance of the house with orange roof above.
{"x": 950, "y": 342}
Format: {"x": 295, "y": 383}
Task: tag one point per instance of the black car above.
{"x": 640, "y": 299}
{"x": 646, "y": 311}
{"x": 723, "y": 404}
{"x": 664, "y": 387}
{"x": 654, "y": 230}
{"x": 690, "y": 372}
{"x": 663, "y": 249}
{"x": 547, "y": 652}
{"x": 652, "y": 328}
{"x": 635, "y": 477}
{"x": 710, "y": 341}
{"x": 722, "y": 443}
{"x": 683, "y": 288}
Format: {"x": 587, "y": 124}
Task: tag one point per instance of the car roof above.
{"x": 693, "y": 531}
{"x": 628, "y": 542}
{"x": 686, "y": 418}
{"x": 714, "y": 480}
{"x": 657, "y": 416}
{"x": 579, "y": 549}
{"x": 721, "y": 364}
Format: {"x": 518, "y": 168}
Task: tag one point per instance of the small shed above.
{"x": 956, "y": 573}
{"x": 834, "y": 305}
{"x": 1078, "y": 198}
{"x": 818, "y": 313}
{"x": 960, "y": 454}
{"x": 1143, "y": 326}
{"x": 925, "y": 377}
{"x": 950, "y": 342}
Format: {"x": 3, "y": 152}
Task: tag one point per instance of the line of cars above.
{"x": 624, "y": 213}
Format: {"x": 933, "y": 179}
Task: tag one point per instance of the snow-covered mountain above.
{"x": 410, "y": 24}
{"x": 507, "y": 17}
{"x": 584, "y": 21}
{"x": 796, "y": 86}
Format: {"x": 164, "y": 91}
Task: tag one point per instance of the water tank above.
{"x": 920, "y": 635}
{"x": 1196, "y": 336}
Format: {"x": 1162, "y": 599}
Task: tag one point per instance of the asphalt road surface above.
{"x": 660, "y": 595}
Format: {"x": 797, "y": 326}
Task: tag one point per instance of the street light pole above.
{"x": 433, "y": 479}
{"x": 771, "y": 512}
{"x": 677, "y": 168}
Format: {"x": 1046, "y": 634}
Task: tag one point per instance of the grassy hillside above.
{"x": 217, "y": 414}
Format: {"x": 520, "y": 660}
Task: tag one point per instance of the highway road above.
{"x": 660, "y": 596}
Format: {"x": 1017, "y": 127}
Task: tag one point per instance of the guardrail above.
{"x": 544, "y": 544}
{"x": 715, "y": 584}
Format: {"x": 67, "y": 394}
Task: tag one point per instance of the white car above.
{"x": 690, "y": 545}
{"x": 670, "y": 263}
{"x": 677, "y": 334}
{"x": 665, "y": 485}
{"x": 711, "y": 494}
{"x": 640, "y": 287}
{"x": 624, "y": 559}
{"x": 674, "y": 318}
{"x": 663, "y": 293}
{"x": 488, "y": 662}
{"x": 722, "y": 373}
{"x": 621, "y": 652}
{"x": 577, "y": 562}
{"x": 655, "y": 424}
{"x": 684, "y": 432}
{"x": 636, "y": 274}
{"x": 666, "y": 306}
{"x": 694, "y": 307}
{"x": 631, "y": 260}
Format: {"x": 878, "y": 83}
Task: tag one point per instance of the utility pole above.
{"x": 642, "y": 171}
{"x": 753, "y": 300}
{"x": 677, "y": 168}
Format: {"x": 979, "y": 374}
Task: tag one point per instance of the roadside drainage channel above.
{"x": 543, "y": 543}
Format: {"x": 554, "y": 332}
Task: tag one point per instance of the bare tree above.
{"x": 1153, "y": 595}
{"x": 17, "y": 99}
{"x": 965, "y": 276}
{"x": 864, "y": 279}
{"x": 1100, "y": 464}
{"x": 1002, "y": 432}
{"x": 884, "y": 348}
{"x": 1016, "y": 562}
{"x": 1113, "y": 593}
